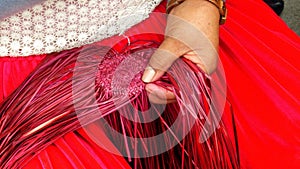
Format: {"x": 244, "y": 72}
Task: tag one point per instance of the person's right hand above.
{"x": 192, "y": 32}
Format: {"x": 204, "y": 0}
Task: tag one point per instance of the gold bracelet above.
{"x": 220, "y": 4}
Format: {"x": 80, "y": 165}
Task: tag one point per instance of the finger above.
{"x": 160, "y": 95}
{"x": 169, "y": 51}
{"x": 156, "y": 100}
{"x": 192, "y": 56}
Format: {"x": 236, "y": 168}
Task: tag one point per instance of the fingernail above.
{"x": 148, "y": 74}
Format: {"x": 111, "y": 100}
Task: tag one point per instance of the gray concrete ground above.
{"x": 291, "y": 14}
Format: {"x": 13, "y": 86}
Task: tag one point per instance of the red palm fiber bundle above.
{"x": 46, "y": 107}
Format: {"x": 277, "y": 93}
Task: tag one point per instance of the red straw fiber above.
{"x": 42, "y": 109}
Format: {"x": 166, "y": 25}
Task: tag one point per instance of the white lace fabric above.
{"x": 57, "y": 25}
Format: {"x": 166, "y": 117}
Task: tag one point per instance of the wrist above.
{"x": 217, "y": 4}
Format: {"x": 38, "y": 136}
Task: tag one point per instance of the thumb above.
{"x": 168, "y": 52}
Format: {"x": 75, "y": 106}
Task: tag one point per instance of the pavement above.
{"x": 291, "y": 14}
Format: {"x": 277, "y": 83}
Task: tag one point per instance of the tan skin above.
{"x": 205, "y": 17}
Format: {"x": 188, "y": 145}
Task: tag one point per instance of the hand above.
{"x": 194, "y": 34}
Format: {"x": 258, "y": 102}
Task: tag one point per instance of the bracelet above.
{"x": 220, "y": 4}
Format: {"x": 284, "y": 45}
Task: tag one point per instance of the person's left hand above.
{"x": 197, "y": 42}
